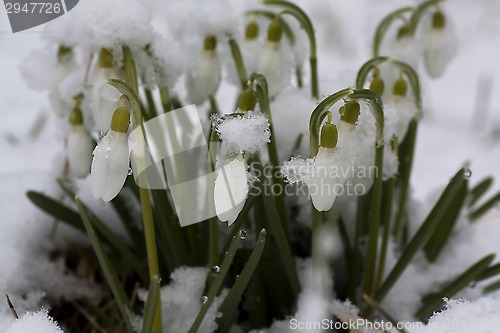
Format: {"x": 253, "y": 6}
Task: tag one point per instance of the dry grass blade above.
{"x": 11, "y": 307}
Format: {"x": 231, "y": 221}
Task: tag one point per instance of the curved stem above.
{"x": 305, "y": 22}
{"x": 418, "y": 13}
{"x": 384, "y": 26}
{"x": 238, "y": 61}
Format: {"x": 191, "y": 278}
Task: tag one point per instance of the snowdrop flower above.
{"x": 405, "y": 108}
{"x": 111, "y": 158}
{"x": 231, "y": 185}
{"x": 79, "y": 145}
{"x": 204, "y": 81}
{"x": 437, "y": 45}
{"x": 406, "y": 48}
{"x": 325, "y": 180}
{"x": 104, "y": 97}
{"x": 349, "y": 114}
{"x": 251, "y": 47}
{"x": 274, "y": 64}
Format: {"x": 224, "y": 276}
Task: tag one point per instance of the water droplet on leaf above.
{"x": 467, "y": 173}
{"x": 243, "y": 234}
{"x": 129, "y": 172}
{"x": 219, "y": 315}
{"x": 215, "y": 270}
{"x": 204, "y": 299}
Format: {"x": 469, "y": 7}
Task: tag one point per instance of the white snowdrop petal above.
{"x": 105, "y": 99}
{"x": 110, "y": 165}
{"x": 275, "y": 66}
{"x": 231, "y": 190}
{"x": 80, "y": 147}
{"x": 205, "y": 79}
{"x": 435, "y": 53}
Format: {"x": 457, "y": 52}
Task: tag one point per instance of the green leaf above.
{"x": 230, "y": 304}
{"x": 489, "y": 272}
{"x": 440, "y": 237}
{"x": 115, "y": 241}
{"x": 216, "y": 284}
{"x": 434, "y": 301}
{"x": 449, "y": 195}
{"x": 108, "y": 270}
{"x": 484, "y": 208}
{"x": 479, "y": 190}
{"x": 150, "y": 309}
{"x": 56, "y": 209}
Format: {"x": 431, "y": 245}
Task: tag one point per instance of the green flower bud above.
{"x": 121, "y": 120}
{"x": 329, "y": 136}
{"x": 210, "y": 43}
{"x": 274, "y": 31}
{"x": 64, "y": 53}
{"x": 438, "y": 20}
{"x": 252, "y": 30}
{"x": 248, "y": 100}
{"x": 400, "y": 88}
{"x": 403, "y": 32}
{"x": 350, "y": 112}
{"x": 105, "y": 58}
{"x": 76, "y": 117}
{"x": 377, "y": 85}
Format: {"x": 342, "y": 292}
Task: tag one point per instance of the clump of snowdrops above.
{"x": 337, "y": 193}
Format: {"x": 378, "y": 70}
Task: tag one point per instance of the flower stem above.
{"x": 387, "y": 215}
{"x": 147, "y": 214}
{"x": 384, "y": 25}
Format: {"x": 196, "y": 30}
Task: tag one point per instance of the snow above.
{"x": 182, "y": 300}
{"x": 246, "y": 133}
{"x": 40, "y": 321}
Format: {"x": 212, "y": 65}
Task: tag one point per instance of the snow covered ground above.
{"x": 461, "y": 124}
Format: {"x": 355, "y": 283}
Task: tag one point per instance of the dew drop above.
{"x": 130, "y": 172}
{"x": 215, "y": 270}
{"x": 204, "y": 299}
{"x": 236, "y": 277}
{"x": 467, "y": 173}
{"x": 243, "y": 234}
{"x": 219, "y": 314}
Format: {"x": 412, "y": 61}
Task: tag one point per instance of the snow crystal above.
{"x": 103, "y": 23}
{"x": 248, "y": 132}
{"x": 39, "y": 322}
{"x": 463, "y": 316}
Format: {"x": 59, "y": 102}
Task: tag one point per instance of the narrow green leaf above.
{"x": 479, "y": 190}
{"x": 108, "y": 270}
{"x": 150, "y": 309}
{"x": 484, "y": 208}
{"x": 443, "y": 231}
{"x": 489, "y": 272}
{"x": 56, "y": 209}
{"x": 115, "y": 241}
{"x": 277, "y": 232}
{"x": 434, "y": 301}
{"x": 425, "y": 231}
{"x": 238, "y": 60}
{"x": 216, "y": 284}
{"x": 230, "y": 304}
{"x": 491, "y": 287}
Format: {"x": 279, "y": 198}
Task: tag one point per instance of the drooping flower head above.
{"x": 111, "y": 158}
{"x": 104, "y": 98}
{"x": 274, "y": 64}
{"x": 204, "y": 80}
{"x": 79, "y": 145}
{"x": 438, "y": 45}
{"x": 231, "y": 185}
